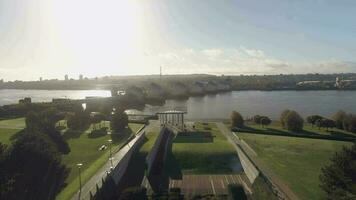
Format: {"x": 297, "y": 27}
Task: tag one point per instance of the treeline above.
{"x": 242, "y": 82}
{"x": 292, "y": 121}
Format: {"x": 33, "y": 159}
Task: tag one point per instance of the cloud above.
{"x": 244, "y": 60}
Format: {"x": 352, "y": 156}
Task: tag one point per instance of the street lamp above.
{"x": 110, "y": 142}
{"x": 79, "y": 165}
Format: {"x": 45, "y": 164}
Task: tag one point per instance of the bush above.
{"x": 237, "y": 119}
{"x": 338, "y": 179}
{"x": 292, "y": 121}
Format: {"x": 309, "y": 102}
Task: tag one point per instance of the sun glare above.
{"x": 99, "y": 34}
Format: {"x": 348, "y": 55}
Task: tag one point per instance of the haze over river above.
{"x": 249, "y": 103}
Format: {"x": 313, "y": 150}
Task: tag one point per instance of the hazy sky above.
{"x": 122, "y": 37}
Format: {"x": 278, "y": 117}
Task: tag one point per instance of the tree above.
{"x": 32, "y": 121}
{"x": 257, "y": 119}
{"x": 119, "y": 121}
{"x": 339, "y": 118}
{"x": 338, "y": 179}
{"x": 265, "y": 121}
{"x": 96, "y": 119}
{"x": 283, "y": 116}
{"x": 349, "y": 123}
{"x": 80, "y": 119}
{"x": 292, "y": 121}
{"x": 237, "y": 119}
{"x": 313, "y": 118}
{"x": 31, "y": 169}
{"x": 328, "y": 123}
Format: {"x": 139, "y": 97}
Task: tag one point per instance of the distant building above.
{"x": 1, "y": 80}
{"x": 344, "y": 84}
{"x": 80, "y": 76}
{"x": 66, "y": 77}
{"x": 40, "y": 78}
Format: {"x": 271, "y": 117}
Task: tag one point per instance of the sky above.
{"x": 51, "y": 38}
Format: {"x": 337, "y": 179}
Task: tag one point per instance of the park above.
{"x": 202, "y": 158}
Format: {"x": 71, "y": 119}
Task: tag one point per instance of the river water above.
{"x": 248, "y": 103}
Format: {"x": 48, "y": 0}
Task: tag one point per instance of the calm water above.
{"x": 12, "y": 96}
{"x": 249, "y": 103}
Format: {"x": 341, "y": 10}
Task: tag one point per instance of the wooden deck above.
{"x": 207, "y": 184}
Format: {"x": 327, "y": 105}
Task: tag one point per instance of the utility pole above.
{"x": 160, "y": 73}
{"x": 79, "y": 165}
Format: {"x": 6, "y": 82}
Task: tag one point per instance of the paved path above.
{"x": 280, "y": 185}
{"x": 102, "y": 172}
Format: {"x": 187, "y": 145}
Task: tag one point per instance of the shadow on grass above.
{"x": 98, "y": 133}
{"x": 194, "y": 137}
{"x": 334, "y": 135}
{"x": 72, "y": 134}
{"x": 341, "y": 134}
{"x": 172, "y": 166}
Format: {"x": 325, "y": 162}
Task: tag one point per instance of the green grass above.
{"x": 197, "y": 153}
{"x": 84, "y": 149}
{"x": 9, "y": 127}
{"x": 149, "y": 142}
{"x": 308, "y": 129}
{"x": 17, "y": 123}
{"x": 296, "y": 161}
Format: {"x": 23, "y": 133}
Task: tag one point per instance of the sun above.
{"x": 100, "y": 35}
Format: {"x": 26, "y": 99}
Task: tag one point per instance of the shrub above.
{"x": 237, "y": 119}
{"x": 338, "y": 179}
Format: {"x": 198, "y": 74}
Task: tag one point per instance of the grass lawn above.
{"x": 9, "y": 127}
{"x": 85, "y": 149}
{"x": 308, "y": 129}
{"x": 205, "y": 151}
{"x": 296, "y": 161}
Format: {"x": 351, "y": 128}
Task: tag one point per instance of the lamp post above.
{"x": 110, "y": 142}
{"x": 79, "y": 165}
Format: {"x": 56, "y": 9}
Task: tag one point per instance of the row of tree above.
{"x": 31, "y": 167}
{"x": 345, "y": 121}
